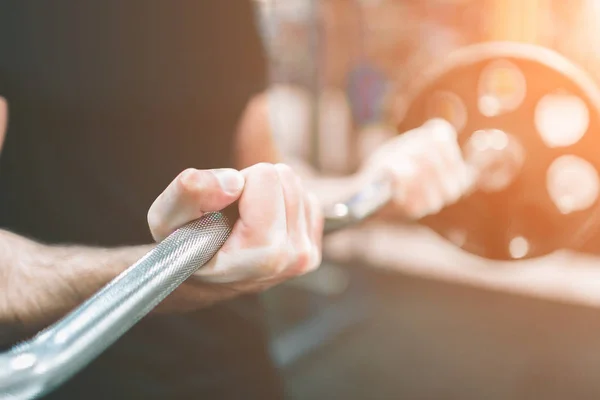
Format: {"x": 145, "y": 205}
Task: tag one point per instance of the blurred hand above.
{"x": 277, "y": 237}
{"x": 426, "y": 166}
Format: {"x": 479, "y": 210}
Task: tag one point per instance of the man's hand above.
{"x": 426, "y": 166}
{"x": 277, "y": 237}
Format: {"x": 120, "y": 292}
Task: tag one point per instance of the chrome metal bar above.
{"x": 36, "y": 367}
{"x": 358, "y": 207}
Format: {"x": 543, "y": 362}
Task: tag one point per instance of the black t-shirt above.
{"x": 109, "y": 101}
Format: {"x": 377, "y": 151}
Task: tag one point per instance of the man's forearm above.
{"x": 39, "y": 283}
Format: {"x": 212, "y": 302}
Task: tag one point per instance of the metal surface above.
{"x": 53, "y": 356}
{"x": 35, "y": 367}
{"x": 359, "y": 207}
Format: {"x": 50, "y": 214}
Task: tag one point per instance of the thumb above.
{"x": 190, "y": 195}
{"x": 3, "y": 120}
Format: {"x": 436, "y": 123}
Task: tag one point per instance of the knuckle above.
{"x": 290, "y": 262}
{"x": 302, "y": 263}
{"x": 277, "y": 260}
{"x": 265, "y": 168}
{"x": 284, "y": 169}
{"x": 306, "y": 253}
{"x": 264, "y": 174}
{"x": 428, "y": 160}
{"x": 184, "y": 181}
{"x": 411, "y": 134}
{"x": 288, "y": 174}
{"x": 415, "y": 212}
{"x": 186, "y": 172}
{"x": 442, "y": 129}
{"x": 404, "y": 170}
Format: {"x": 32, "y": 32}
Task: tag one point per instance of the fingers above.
{"x": 459, "y": 177}
{"x": 448, "y": 166}
{"x": 427, "y": 167}
{"x": 262, "y": 208}
{"x": 190, "y": 195}
{"x": 3, "y": 120}
{"x": 440, "y": 173}
{"x": 299, "y": 214}
{"x": 293, "y": 195}
{"x": 278, "y": 235}
{"x": 314, "y": 211}
{"x": 273, "y": 215}
{"x": 420, "y": 177}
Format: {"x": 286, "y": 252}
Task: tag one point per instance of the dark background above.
{"x": 401, "y": 337}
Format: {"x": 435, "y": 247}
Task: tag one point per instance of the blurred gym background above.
{"x": 339, "y": 74}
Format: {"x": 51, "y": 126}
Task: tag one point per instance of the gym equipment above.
{"x": 528, "y": 120}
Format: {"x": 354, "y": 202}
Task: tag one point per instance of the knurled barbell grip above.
{"x": 54, "y": 355}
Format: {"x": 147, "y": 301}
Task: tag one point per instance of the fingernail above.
{"x": 230, "y": 180}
